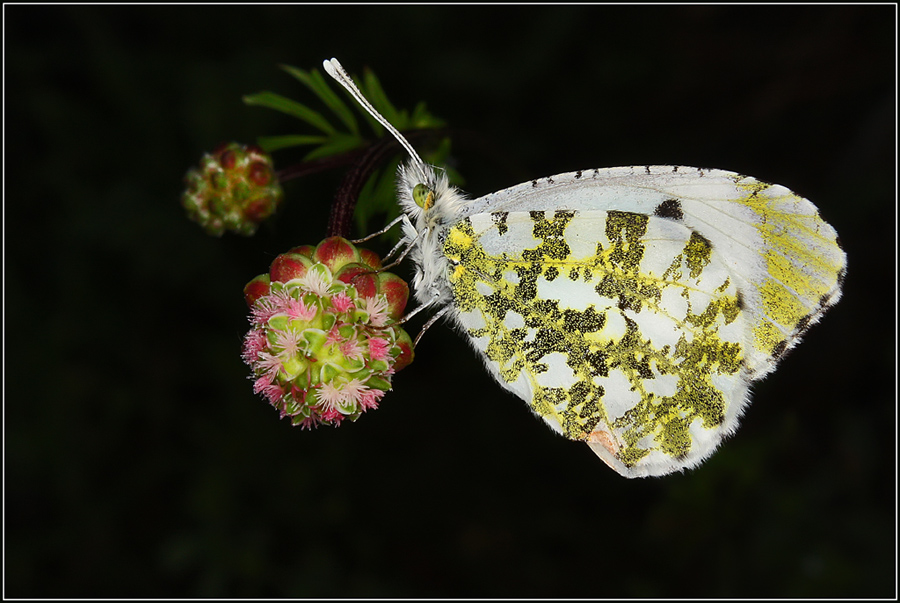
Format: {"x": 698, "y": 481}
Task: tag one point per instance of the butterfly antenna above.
{"x": 335, "y": 70}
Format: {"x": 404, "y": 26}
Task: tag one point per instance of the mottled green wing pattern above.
{"x": 790, "y": 260}
{"x": 619, "y": 329}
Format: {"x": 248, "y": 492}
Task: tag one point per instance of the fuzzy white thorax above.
{"x": 426, "y": 229}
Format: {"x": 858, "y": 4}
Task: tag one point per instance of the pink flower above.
{"x": 262, "y": 383}
{"x": 329, "y": 396}
{"x": 334, "y": 336}
{"x": 309, "y": 422}
{"x": 379, "y": 349}
{"x": 370, "y": 398}
{"x": 354, "y": 390}
{"x": 342, "y": 302}
{"x": 314, "y": 282}
{"x": 332, "y": 415}
{"x": 254, "y": 343}
{"x": 296, "y": 309}
{"x": 377, "y": 307}
{"x": 288, "y": 341}
{"x": 263, "y": 310}
{"x": 267, "y": 363}
{"x": 274, "y": 393}
{"x": 351, "y": 349}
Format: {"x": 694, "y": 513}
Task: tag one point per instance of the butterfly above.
{"x": 630, "y": 307}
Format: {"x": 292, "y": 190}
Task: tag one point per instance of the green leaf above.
{"x": 274, "y": 143}
{"x": 421, "y": 119}
{"x": 293, "y": 108}
{"x": 373, "y": 123}
{"x": 335, "y": 103}
{"x": 376, "y": 95}
{"x": 337, "y": 143}
{"x": 317, "y": 83}
{"x": 379, "y": 197}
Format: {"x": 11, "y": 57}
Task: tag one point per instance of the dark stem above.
{"x": 314, "y": 166}
{"x": 341, "y": 218}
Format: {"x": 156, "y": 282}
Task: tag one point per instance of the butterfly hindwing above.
{"x": 617, "y": 328}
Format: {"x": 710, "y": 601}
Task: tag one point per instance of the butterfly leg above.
{"x": 393, "y": 223}
{"x": 430, "y": 321}
{"x": 410, "y": 243}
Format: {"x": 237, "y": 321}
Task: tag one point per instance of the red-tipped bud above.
{"x": 370, "y": 258}
{"x": 336, "y": 252}
{"x": 307, "y": 250}
{"x": 361, "y": 277}
{"x": 256, "y": 288}
{"x": 234, "y": 188}
{"x": 405, "y": 343}
{"x": 289, "y": 266}
{"x": 395, "y": 290}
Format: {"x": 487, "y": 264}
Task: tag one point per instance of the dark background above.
{"x": 138, "y": 462}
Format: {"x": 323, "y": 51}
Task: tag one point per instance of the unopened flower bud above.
{"x": 234, "y": 188}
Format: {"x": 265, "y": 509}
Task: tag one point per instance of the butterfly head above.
{"x": 426, "y": 195}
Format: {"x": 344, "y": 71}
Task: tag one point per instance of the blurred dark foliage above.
{"x": 138, "y": 462}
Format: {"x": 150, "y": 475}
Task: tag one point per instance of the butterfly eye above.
{"x": 423, "y": 197}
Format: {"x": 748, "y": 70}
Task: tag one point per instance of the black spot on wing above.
{"x": 670, "y": 208}
{"x": 499, "y": 219}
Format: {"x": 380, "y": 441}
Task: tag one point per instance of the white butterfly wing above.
{"x": 786, "y": 260}
{"x": 701, "y": 280}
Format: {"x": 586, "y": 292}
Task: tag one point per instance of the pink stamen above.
{"x": 351, "y": 349}
{"x": 334, "y": 336}
{"x": 370, "y": 398}
{"x": 288, "y": 341}
{"x": 377, "y": 307}
{"x": 268, "y": 363}
{"x": 342, "y": 302}
{"x": 264, "y": 309}
{"x": 354, "y": 390}
{"x": 254, "y": 343}
{"x": 379, "y": 349}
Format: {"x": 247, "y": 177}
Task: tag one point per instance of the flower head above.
{"x": 234, "y": 188}
{"x": 324, "y": 344}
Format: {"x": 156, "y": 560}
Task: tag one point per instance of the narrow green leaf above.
{"x": 373, "y": 123}
{"x": 334, "y": 102}
{"x": 317, "y": 83}
{"x": 337, "y": 143}
{"x": 379, "y": 197}
{"x": 274, "y": 143}
{"x": 293, "y": 108}
{"x": 422, "y": 120}
{"x": 376, "y": 95}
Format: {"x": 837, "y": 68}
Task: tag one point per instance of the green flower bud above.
{"x": 234, "y": 188}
